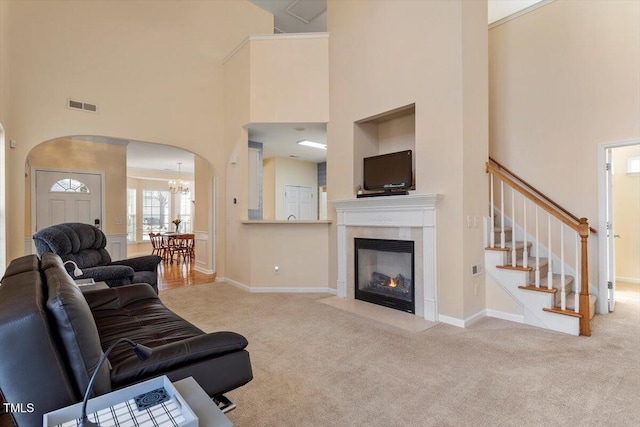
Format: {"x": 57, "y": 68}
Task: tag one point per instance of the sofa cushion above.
{"x": 77, "y": 330}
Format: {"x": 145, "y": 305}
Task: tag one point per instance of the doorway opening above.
{"x": 619, "y": 210}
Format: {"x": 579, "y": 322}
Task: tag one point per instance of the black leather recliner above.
{"x": 85, "y": 245}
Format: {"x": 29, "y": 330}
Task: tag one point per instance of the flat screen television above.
{"x": 389, "y": 172}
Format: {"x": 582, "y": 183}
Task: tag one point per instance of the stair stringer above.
{"x": 532, "y": 302}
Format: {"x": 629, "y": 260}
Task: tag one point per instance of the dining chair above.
{"x": 183, "y": 245}
{"x": 159, "y": 246}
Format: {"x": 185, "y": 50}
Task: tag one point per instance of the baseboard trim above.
{"x": 451, "y": 321}
{"x": 635, "y": 280}
{"x": 273, "y": 289}
{"x": 474, "y": 318}
{"x": 505, "y": 316}
{"x": 204, "y": 270}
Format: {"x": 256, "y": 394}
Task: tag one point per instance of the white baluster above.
{"x": 514, "y": 261}
{"x": 492, "y": 234}
{"x": 549, "y": 255}
{"x": 537, "y": 252}
{"x": 525, "y": 252}
{"x": 502, "y": 242}
{"x": 576, "y": 279}
{"x": 563, "y": 294}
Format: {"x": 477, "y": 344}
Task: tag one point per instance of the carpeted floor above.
{"x": 315, "y": 365}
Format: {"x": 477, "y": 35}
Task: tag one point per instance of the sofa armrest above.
{"x": 141, "y": 263}
{"x": 177, "y": 354}
{"x": 116, "y": 298}
{"x": 106, "y": 273}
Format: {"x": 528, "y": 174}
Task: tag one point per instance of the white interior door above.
{"x": 298, "y": 202}
{"x": 305, "y": 200}
{"x": 67, "y": 197}
{"x": 611, "y": 253}
{"x": 291, "y": 202}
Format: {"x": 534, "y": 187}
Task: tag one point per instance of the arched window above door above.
{"x": 69, "y": 185}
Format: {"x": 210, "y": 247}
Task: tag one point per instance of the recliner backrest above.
{"x": 33, "y": 364}
{"x": 82, "y": 243}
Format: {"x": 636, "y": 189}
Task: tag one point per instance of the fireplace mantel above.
{"x": 398, "y": 212}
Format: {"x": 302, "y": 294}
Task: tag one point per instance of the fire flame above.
{"x": 392, "y": 283}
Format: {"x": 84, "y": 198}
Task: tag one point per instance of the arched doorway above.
{"x": 129, "y": 180}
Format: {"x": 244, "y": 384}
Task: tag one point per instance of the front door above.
{"x": 62, "y": 196}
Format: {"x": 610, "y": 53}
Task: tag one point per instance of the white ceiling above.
{"x": 148, "y": 156}
{"x": 289, "y": 15}
{"x": 156, "y": 157}
{"x": 281, "y": 140}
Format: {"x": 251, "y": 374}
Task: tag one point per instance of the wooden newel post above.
{"x": 585, "y": 321}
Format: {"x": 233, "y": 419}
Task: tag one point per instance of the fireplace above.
{"x": 384, "y": 273}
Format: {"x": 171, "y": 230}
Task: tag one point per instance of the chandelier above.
{"x": 178, "y": 186}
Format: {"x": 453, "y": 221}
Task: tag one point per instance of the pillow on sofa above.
{"x": 76, "y": 329}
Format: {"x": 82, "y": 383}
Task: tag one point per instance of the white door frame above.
{"x": 34, "y": 171}
{"x": 603, "y": 291}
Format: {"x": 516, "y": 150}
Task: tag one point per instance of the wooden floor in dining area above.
{"x": 178, "y": 274}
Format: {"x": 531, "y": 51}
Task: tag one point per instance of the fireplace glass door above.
{"x": 384, "y": 273}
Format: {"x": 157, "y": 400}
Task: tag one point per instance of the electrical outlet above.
{"x": 475, "y": 289}
{"x": 468, "y": 221}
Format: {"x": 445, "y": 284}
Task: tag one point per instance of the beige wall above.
{"x": 294, "y": 172}
{"x": 154, "y": 68}
{"x": 75, "y": 155}
{"x": 289, "y": 79}
{"x": 626, "y": 214}
{"x": 299, "y": 250}
{"x": 259, "y": 88}
{"x": 387, "y": 54}
{"x": 564, "y": 79}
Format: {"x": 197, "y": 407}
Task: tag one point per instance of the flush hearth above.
{"x": 384, "y": 273}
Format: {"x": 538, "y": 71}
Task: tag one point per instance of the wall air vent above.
{"x": 84, "y": 106}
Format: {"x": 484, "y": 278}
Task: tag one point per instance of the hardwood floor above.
{"x": 179, "y": 274}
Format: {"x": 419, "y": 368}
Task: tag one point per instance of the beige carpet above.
{"x": 315, "y": 365}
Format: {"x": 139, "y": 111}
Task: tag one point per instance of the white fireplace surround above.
{"x": 396, "y": 212}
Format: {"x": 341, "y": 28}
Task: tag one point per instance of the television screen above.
{"x": 389, "y": 171}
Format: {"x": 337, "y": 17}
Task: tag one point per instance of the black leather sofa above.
{"x": 85, "y": 245}
{"x": 52, "y": 336}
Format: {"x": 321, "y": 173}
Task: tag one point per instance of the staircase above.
{"x": 530, "y": 254}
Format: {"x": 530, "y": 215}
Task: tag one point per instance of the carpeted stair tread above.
{"x": 531, "y": 263}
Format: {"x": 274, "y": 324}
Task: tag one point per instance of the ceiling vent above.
{"x": 306, "y": 10}
{"x": 84, "y": 106}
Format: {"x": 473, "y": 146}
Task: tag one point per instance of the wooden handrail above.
{"x": 538, "y": 192}
{"x": 575, "y": 225}
{"x": 581, "y": 226}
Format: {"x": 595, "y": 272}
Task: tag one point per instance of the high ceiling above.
{"x": 306, "y": 16}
